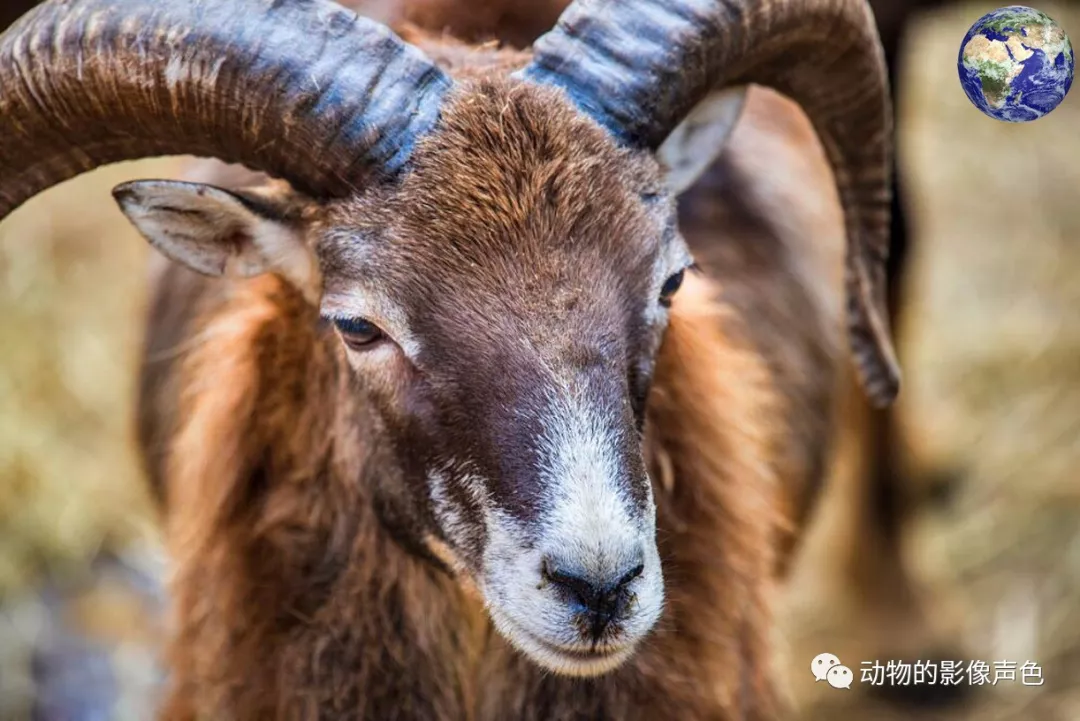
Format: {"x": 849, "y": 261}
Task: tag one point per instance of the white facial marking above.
{"x": 453, "y": 516}
{"x": 448, "y": 512}
{"x": 581, "y": 476}
{"x": 592, "y": 525}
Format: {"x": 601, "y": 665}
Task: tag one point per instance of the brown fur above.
{"x": 294, "y": 601}
{"x": 295, "y": 598}
{"x": 777, "y": 248}
{"x": 711, "y": 656}
{"x": 516, "y": 23}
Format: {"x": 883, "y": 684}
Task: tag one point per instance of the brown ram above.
{"x": 446, "y": 426}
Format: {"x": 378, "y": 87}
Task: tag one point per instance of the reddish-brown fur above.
{"x": 295, "y": 600}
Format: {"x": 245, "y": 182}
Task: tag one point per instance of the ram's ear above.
{"x": 219, "y": 232}
{"x": 699, "y": 139}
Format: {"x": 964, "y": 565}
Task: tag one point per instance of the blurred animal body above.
{"x": 457, "y": 425}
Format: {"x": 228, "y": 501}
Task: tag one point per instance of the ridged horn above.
{"x": 638, "y": 67}
{"x": 301, "y": 89}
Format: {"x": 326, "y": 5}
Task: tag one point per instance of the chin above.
{"x": 580, "y": 662}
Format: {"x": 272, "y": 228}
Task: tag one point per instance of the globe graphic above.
{"x": 1016, "y": 64}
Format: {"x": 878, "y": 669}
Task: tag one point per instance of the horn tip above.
{"x": 882, "y": 386}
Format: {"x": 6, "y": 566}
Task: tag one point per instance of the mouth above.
{"x": 586, "y": 655}
{"x": 581, "y": 661}
{"x": 564, "y": 660}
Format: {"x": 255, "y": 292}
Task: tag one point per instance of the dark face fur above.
{"x": 503, "y": 302}
{"x": 503, "y": 307}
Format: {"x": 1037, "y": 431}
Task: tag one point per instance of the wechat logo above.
{"x": 827, "y": 667}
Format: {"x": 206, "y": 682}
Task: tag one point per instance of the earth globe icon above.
{"x": 1016, "y": 64}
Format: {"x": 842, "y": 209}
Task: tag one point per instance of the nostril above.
{"x": 602, "y": 598}
{"x": 581, "y": 589}
{"x": 595, "y": 593}
{"x": 630, "y": 575}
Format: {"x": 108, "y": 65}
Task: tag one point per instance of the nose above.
{"x": 603, "y": 597}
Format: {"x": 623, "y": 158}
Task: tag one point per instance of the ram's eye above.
{"x": 671, "y": 287}
{"x": 357, "y": 332}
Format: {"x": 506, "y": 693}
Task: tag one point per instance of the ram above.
{"x": 445, "y": 424}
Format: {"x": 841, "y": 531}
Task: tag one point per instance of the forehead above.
{"x": 514, "y": 181}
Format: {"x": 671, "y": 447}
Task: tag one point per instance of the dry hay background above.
{"x": 72, "y": 293}
{"x": 990, "y": 340}
{"x": 990, "y": 343}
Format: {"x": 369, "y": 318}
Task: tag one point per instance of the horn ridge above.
{"x": 638, "y": 67}
{"x": 303, "y": 90}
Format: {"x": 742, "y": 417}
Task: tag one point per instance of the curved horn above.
{"x": 301, "y": 89}
{"x": 639, "y": 66}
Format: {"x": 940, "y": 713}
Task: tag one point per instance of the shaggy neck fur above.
{"x": 293, "y": 600}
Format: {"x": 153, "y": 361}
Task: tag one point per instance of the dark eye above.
{"x": 357, "y": 332}
{"x": 671, "y": 287}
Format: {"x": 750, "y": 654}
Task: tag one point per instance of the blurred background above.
{"x": 985, "y": 441}
{"x": 981, "y": 557}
